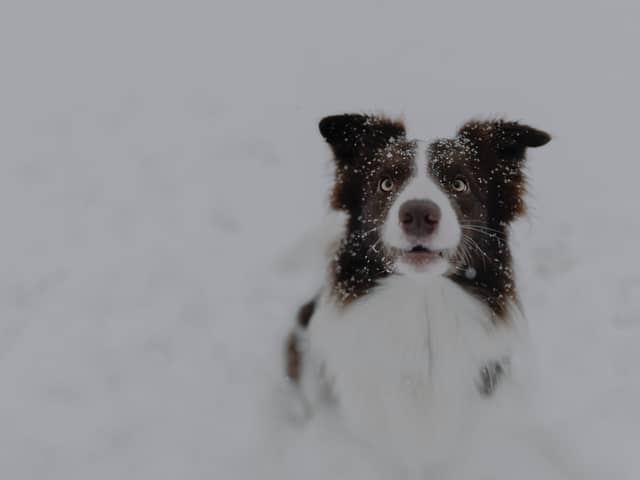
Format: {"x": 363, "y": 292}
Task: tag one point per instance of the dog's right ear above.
{"x": 351, "y": 135}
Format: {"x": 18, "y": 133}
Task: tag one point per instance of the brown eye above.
{"x": 459, "y": 185}
{"x": 386, "y": 184}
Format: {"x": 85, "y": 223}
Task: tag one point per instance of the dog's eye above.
{"x": 386, "y": 184}
{"x": 459, "y": 185}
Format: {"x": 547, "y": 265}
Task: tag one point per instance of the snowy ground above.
{"x": 160, "y": 160}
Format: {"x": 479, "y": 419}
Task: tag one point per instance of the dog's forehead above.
{"x": 444, "y": 149}
{"x": 437, "y": 155}
{"x": 397, "y": 152}
{"x": 453, "y": 153}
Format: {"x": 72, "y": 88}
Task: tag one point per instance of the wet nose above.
{"x": 419, "y": 218}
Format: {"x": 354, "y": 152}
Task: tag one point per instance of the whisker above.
{"x": 373, "y": 247}
{"x": 468, "y": 246}
{"x": 482, "y": 228}
{"x": 463, "y": 253}
{"x": 475, "y": 245}
{"x": 364, "y": 234}
{"x": 491, "y": 235}
{"x": 482, "y": 224}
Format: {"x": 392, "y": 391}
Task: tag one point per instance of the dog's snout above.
{"x": 419, "y": 218}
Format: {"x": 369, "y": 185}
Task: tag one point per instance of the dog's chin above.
{"x": 421, "y": 261}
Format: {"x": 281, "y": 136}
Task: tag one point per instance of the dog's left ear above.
{"x": 507, "y": 140}
{"x": 352, "y": 135}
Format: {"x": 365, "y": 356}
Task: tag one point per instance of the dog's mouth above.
{"x": 420, "y": 255}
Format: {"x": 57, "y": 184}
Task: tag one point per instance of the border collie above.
{"x": 419, "y": 319}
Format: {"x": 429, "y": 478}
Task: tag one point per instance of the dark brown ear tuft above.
{"x": 524, "y": 135}
{"x": 336, "y": 128}
{"x": 349, "y": 134}
{"x": 508, "y": 139}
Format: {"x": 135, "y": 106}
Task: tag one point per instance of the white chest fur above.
{"x": 404, "y": 363}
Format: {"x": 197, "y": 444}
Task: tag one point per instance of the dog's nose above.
{"x": 419, "y": 218}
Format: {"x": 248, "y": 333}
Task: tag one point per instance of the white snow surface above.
{"x": 161, "y": 179}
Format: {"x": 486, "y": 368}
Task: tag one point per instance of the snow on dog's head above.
{"x": 420, "y": 229}
{"x": 427, "y": 208}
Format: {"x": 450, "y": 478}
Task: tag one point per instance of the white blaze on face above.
{"x": 422, "y": 186}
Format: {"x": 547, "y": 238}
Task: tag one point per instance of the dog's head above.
{"x": 425, "y": 208}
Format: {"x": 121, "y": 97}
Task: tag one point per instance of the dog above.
{"x": 419, "y": 319}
